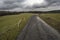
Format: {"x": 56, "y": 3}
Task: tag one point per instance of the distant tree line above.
{"x": 53, "y": 11}
{"x": 2, "y": 13}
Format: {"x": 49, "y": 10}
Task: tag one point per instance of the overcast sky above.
{"x": 19, "y": 5}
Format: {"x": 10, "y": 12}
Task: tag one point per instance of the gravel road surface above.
{"x": 37, "y": 29}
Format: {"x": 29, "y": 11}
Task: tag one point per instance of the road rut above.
{"x": 37, "y": 29}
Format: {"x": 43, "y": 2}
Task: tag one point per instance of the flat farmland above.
{"x": 11, "y": 25}
{"x": 52, "y": 19}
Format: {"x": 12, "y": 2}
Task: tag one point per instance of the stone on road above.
{"x": 37, "y": 29}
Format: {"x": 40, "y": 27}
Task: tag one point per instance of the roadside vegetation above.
{"x": 11, "y": 25}
{"x": 52, "y": 19}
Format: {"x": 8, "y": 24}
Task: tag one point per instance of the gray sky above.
{"x": 20, "y": 5}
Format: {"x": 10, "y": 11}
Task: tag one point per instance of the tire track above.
{"x": 37, "y": 29}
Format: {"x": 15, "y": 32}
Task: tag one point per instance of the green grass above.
{"x": 9, "y": 25}
{"x": 9, "y": 28}
{"x": 52, "y": 19}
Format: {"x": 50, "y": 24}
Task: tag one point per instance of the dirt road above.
{"x": 37, "y": 29}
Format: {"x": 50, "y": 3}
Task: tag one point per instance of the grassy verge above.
{"x": 52, "y": 19}
{"x": 9, "y": 28}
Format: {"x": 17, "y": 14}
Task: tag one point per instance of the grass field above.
{"x": 52, "y": 19}
{"x": 11, "y": 25}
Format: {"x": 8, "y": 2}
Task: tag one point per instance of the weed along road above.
{"x": 37, "y": 29}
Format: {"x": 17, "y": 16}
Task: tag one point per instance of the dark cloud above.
{"x": 7, "y": 7}
{"x": 9, "y": 2}
{"x": 43, "y": 5}
{"x": 47, "y": 3}
{"x": 12, "y": 4}
{"x": 13, "y": 1}
{"x": 53, "y": 2}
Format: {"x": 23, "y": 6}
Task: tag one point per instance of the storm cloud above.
{"x": 53, "y": 2}
{"x": 20, "y": 4}
{"x": 10, "y": 4}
